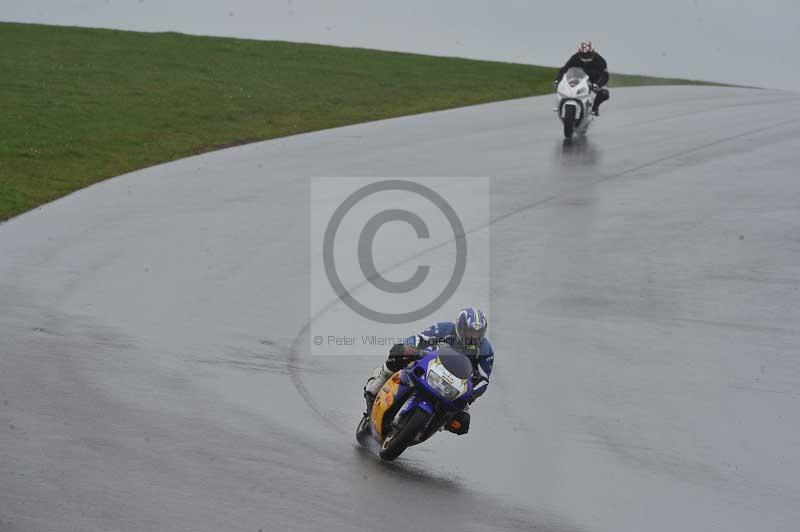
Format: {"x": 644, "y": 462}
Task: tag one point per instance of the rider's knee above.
{"x": 395, "y": 364}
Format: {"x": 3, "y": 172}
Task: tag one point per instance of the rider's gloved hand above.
{"x": 555, "y": 83}
{"x": 477, "y": 378}
{"x": 594, "y": 86}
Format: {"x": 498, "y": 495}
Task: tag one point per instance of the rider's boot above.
{"x": 375, "y": 380}
{"x": 596, "y": 109}
{"x": 459, "y": 424}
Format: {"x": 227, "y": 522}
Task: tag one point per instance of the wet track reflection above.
{"x": 578, "y": 151}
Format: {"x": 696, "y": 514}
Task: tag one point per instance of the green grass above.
{"x": 81, "y": 105}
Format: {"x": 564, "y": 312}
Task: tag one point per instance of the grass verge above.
{"x": 81, "y": 105}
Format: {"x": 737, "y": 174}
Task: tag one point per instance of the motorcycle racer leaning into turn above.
{"x": 466, "y": 335}
{"x": 595, "y": 67}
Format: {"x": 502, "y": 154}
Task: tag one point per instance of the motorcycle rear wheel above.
{"x": 396, "y": 443}
{"x": 363, "y": 430}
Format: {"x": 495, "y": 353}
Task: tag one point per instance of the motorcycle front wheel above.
{"x": 569, "y": 121}
{"x": 397, "y": 442}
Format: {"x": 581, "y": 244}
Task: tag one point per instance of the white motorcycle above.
{"x": 575, "y": 99}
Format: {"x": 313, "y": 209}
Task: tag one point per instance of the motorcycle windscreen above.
{"x": 456, "y": 363}
{"x": 574, "y": 75}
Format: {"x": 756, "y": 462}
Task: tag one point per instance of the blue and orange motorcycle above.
{"x": 417, "y": 401}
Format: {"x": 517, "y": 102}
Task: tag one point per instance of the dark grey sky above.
{"x": 746, "y": 42}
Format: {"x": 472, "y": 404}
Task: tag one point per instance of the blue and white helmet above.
{"x": 471, "y": 328}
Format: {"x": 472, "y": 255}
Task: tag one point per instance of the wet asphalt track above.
{"x": 154, "y": 376}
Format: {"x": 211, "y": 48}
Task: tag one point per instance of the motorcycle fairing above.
{"x": 389, "y": 395}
